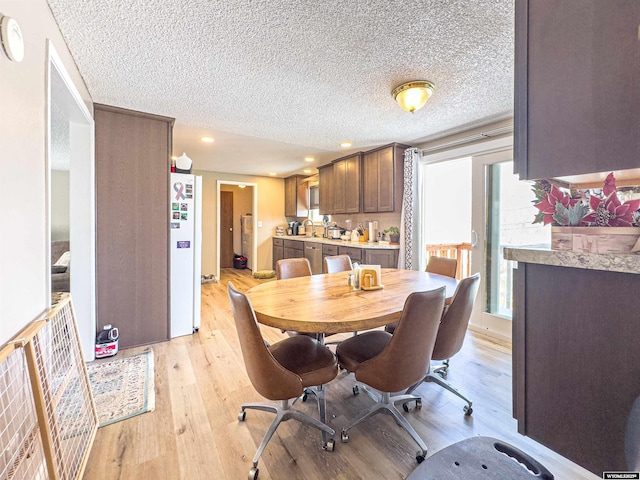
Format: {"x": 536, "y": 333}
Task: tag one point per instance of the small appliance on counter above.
{"x": 293, "y": 228}
{"x": 334, "y": 232}
{"x": 279, "y": 231}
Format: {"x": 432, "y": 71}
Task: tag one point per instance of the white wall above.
{"x": 24, "y": 236}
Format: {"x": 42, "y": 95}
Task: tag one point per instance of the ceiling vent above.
{"x": 496, "y": 132}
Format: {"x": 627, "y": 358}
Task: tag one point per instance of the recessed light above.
{"x": 308, "y": 159}
{"x": 273, "y": 174}
{"x": 207, "y": 139}
{"x": 346, "y": 144}
{"x": 307, "y": 170}
{"x": 242, "y": 186}
{"x": 174, "y": 157}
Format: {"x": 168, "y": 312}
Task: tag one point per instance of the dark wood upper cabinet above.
{"x": 577, "y": 78}
{"x": 346, "y": 184}
{"x": 132, "y": 223}
{"x": 383, "y": 179}
{"x": 325, "y": 178}
{"x": 296, "y": 197}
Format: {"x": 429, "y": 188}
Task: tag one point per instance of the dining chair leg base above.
{"x": 386, "y": 403}
{"x": 436, "y": 378}
{"x": 283, "y": 413}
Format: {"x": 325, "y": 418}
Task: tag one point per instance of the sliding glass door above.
{"x": 502, "y": 213}
{"x": 472, "y": 207}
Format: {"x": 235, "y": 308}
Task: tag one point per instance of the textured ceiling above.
{"x": 275, "y": 80}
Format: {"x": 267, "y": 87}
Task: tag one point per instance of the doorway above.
{"x": 70, "y": 166}
{"x": 245, "y": 201}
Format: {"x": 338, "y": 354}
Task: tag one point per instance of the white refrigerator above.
{"x": 185, "y": 250}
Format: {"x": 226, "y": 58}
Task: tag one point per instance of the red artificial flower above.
{"x": 548, "y": 203}
{"x": 609, "y": 212}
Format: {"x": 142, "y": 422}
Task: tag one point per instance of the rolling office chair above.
{"x": 337, "y": 263}
{"x": 480, "y": 458}
{"x": 451, "y": 332}
{"x": 442, "y": 266}
{"x": 438, "y": 265}
{"x": 391, "y": 363}
{"x": 293, "y": 268}
{"x": 281, "y": 372}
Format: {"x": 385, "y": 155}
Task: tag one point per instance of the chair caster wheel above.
{"x": 420, "y": 458}
{"x": 418, "y": 404}
{"x": 253, "y": 473}
{"x": 344, "y": 437}
{"x": 405, "y": 407}
{"x": 468, "y": 410}
{"x": 242, "y": 415}
{"x": 356, "y": 390}
{"x": 304, "y": 397}
{"x": 330, "y": 446}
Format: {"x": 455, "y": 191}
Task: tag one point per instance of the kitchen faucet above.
{"x": 309, "y": 232}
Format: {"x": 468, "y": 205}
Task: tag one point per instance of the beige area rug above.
{"x": 122, "y": 387}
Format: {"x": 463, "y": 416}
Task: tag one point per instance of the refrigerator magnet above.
{"x": 175, "y": 206}
{"x": 175, "y": 224}
{"x": 176, "y": 215}
{"x": 183, "y": 216}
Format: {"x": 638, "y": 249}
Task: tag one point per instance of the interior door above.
{"x": 226, "y": 229}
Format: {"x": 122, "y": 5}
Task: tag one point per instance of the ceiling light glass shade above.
{"x": 412, "y": 96}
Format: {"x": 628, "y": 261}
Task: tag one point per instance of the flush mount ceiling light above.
{"x": 307, "y": 170}
{"x": 412, "y": 96}
{"x": 308, "y": 159}
{"x": 207, "y": 139}
{"x": 345, "y": 144}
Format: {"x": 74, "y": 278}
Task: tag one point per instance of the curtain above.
{"x": 409, "y": 249}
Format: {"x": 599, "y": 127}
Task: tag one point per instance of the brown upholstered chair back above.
{"x": 456, "y": 319}
{"x": 442, "y": 266}
{"x": 405, "y": 359}
{"x": 337, "y": 263}
{"x": 268, "y": 377}
{"x": 292, "y": 268}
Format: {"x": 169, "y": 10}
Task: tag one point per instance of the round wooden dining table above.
{"x": 326, "y": 304}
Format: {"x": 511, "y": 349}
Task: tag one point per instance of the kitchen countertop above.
{"x": 543, "y": 255}
{"x": 367, "y": 245}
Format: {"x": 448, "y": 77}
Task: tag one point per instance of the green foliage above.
{"x": 569, "y": 216}
{"x": 392, "y": 231}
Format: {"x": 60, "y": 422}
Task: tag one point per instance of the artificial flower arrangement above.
{"x": 584, "y": 208}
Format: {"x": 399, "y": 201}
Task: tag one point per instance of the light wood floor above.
{"x": 200, "y": 383}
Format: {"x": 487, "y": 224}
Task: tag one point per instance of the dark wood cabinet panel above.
{"x": 132, "y": 223}
{"x": 293, "y": 249}
{"x": 577, "y": 77}
{"x": 383, "y": 179}
{"x": 354, "y": 253}
{"x": 296, "y": 197}
{"x": 575, "y": 367}
{"x": 384, "y": 258}
{"x": 346, "y": 184}
{"x": 325, "y": 178}
{"x": 278, "y": 250}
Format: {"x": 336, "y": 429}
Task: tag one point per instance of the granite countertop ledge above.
{"x": 367, "y": 245}
{"x": 543, "y": 255}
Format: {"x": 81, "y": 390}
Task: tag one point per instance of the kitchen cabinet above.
{"x": 354, "y": 253}
{"x": 132, "y": 164}
{"x": 325, "y": 177}
{"x": 577, "y": 78}
{"x": 293, "y": 249}
{"x": 384, "y": 258}
{"x": 346, "y": 184}
{"x": 278, "y": 250}
{"x": 296, "y": 197}
{"x": 383, "y": 179}
{"x": 575, "y": 365}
